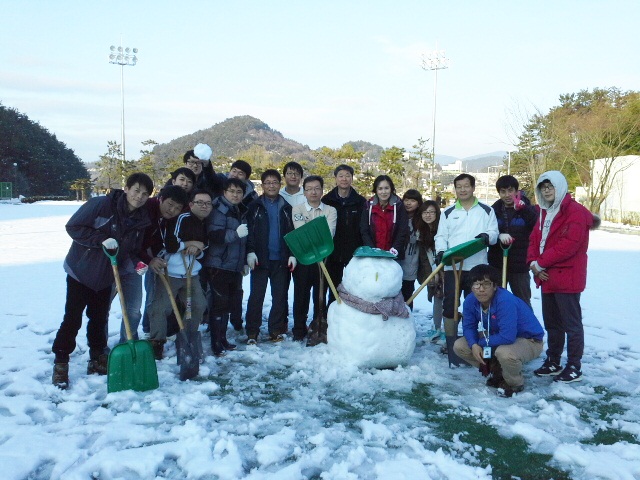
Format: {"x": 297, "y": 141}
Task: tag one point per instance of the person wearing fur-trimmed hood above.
{"x": 557, "y": 256}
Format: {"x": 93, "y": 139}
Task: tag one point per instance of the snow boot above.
{"x": 98, "y": 365}
{"x": 60, "y": 376}
{"x": 451, "y": 335}
{"x": 158, "y": 348}
{"x": 216, "y": 325}
{"x": 223, "y": 334}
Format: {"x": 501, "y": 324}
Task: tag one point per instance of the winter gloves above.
{"x": 506, "y": 239}
{"x": 242, "y": 230}
{"x": 484, "y": 237}
{"x": 252, "y": 260}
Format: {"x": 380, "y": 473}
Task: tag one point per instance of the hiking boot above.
{"x": 278, "y": 338}
{"x": 548, "y": 368}
{"x": 570, "y": 374}
{"x": 60, "y": 376}
{"x": 158, "y": 348}
{"x": 505, "y": 390}
{"x": 252, "y": 340}
{"x": 98, "y": 365}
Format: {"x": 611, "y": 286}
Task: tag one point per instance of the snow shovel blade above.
{"x": 464, "y": 250}
{"x": 132, "y": 366}
{"x": 312, "y": 242}
{"x": 189, "y": 348}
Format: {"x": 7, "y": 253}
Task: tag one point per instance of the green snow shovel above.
{"x": 451, "y": 256}
{"x": 186, "y": 342}
{"x": 312, "y": 243}
{"x": 131, "y": 365}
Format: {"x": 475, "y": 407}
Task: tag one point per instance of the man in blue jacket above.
{"x": 113, "y": 221}
{"x": 269, "y": 220}
{"x": 501, "y": 333}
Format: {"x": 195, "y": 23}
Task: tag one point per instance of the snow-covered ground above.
{"x": 284, "y": 411}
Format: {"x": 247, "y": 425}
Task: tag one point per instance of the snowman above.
{"x": 371, "y": 327}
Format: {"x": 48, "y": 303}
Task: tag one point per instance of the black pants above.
{"x": 224, "y": 286}
{"x": 520, "y": 285}
{"x": 305, "y": 279}
{"x": 562, "y": 316}
{"x": 277, "y": 274}
{"x": 97, "y": 304}
{"x": 450, "y": 291}
{"x": 407, "y": 290}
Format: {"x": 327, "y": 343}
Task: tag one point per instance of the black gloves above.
{"x": 438, "y": 259}
{"x": 484, "y": 237}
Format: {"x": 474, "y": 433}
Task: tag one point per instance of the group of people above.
{"x": 205, "y": 230}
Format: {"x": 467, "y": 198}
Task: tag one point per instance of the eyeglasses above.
{"x": 313, "y": 189}
{"x": 234, "y": 192}
{"x": 292, "y": 174}
{"x": 482, "y": 285}
{"x": 546, "y": 187}
{"x": 202, "y": 203}
{"x": 194, "y": 163}
{"x": 270, "y": 184}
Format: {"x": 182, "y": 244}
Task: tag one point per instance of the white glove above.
{"x": 141, "y": 268}
{"x": 506, "y": 238}
{"x": 252, "y": 260}
{"x": 110, "y": 244}
{"x": 292, "y": 263}
{"x": 245, "y": 270}
{"x": 242, "y": 230}
{"x": 393, "y": 251}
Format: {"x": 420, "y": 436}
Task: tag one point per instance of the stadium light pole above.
{"x": 434, "y": 61}
{"x": 123, "y": 56}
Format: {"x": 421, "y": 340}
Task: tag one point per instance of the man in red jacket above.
{"x": 557, "y": 256}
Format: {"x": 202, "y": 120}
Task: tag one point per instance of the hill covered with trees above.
{"x": 34, "y": 159}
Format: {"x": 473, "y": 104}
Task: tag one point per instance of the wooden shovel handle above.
{"x": 125, "y": 318}
{"x": 176, "y": 310}
{"x": 457, "y": 273}
{"x": 424, "y": 284}
{"x": 329, "y": 281}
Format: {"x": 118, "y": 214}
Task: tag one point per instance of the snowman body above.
{"x": 367, "y": 339}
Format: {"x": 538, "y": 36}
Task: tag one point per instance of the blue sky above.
{"x": 320, "y": 72}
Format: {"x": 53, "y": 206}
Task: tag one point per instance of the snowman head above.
{"x": 372, "y": 278}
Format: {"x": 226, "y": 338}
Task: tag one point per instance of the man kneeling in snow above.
{"x": 501, "y": 333}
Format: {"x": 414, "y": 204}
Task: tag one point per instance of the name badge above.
{"x": 486, "y": 352}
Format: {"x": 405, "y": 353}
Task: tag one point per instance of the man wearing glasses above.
{"x": 184, "y": 242}
{"x": 269, "y": 258}
{"x": 307, "y": 277}
{"x": 292, "y": 192}
{"x": 225, "y": 260}
{"x": 557, "y": 257}
{"x": 501, "y": 333}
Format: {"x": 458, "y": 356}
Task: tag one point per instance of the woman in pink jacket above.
{"x": 557, "y": 257}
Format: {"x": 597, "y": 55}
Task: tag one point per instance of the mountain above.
{"x": 234, "y": 136}
{"x": 480, "y": 163}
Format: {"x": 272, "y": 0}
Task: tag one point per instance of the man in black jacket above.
{"x": 113, "y": 221}
{"x": 516, "y": 218}
{"x": 269, "y": 220}
{"x": 350, "y": 206}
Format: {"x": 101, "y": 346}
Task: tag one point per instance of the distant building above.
{"x": 455, "y": 167}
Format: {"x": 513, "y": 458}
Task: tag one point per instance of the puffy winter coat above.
{"x": 347, "y": 237}
{"x": 386, "y": 229}
{"x": 95, "y": 221}
{"x": 565, "y": 251}
{"x": 227, "y": 251}
{"x": 518, "y": 224}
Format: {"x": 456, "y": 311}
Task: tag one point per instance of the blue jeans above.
{"x": 150, "y": 279}
{"x": 132, "y": 294}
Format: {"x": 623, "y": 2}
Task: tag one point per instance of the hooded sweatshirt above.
{"x": 560, "y": 238}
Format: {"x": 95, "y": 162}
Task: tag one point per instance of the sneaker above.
{"x": 570, "y": 374}
{"x": 548, "y": 368}
{"x": 278, "y": 338}
{"x": 506, "y": 391}
{"x": 98, "y": 365}
{"x": 436, "y": 336}
{"x": 60, "y": 376}
{"x": 252, "y": 340}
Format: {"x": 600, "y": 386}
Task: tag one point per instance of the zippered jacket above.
{"x": 95, "y": 221}
{"x": 226, "y": 250}
{"x": 347, "y": 237}
{"x": 186, "y": 227}
{"x": 458, "y": 226}
{"x": 386, "y": 229}
{"x": 258, "y": 223}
